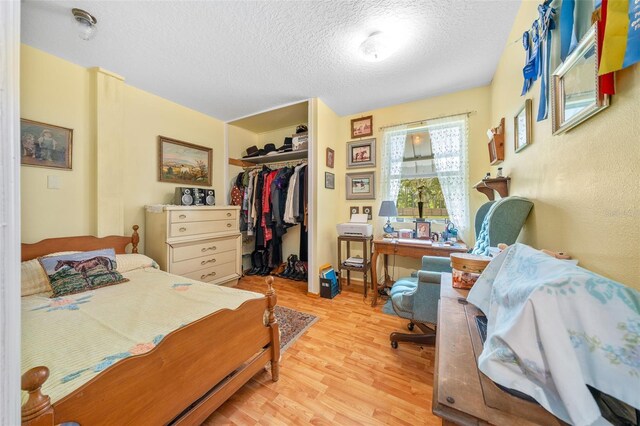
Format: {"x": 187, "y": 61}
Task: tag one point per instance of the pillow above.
{"x": 75, "y": 273}
{"x": 33, "y": 279}
{"x": 130, "y": 262}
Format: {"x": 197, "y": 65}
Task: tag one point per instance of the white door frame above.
{"x": 9, "y": 212}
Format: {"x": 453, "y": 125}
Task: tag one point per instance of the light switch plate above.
{"x": 53, "y": 182}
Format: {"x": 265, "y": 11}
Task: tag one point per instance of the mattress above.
{"x": 80, "y": 335}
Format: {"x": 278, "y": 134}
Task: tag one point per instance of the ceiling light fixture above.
{"x": 377, "y": 47}
{"x": 85, "y": 22}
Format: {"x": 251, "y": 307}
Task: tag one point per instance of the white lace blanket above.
{"x": 554, "y": 327}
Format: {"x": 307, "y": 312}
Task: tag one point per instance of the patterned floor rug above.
{"x": 292, "y": 324}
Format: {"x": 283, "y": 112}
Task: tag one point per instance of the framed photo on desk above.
{"x": 423, "y": 230}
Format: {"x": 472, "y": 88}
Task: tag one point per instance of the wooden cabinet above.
{"x": 198, "y": 242}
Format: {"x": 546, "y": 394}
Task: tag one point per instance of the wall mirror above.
{"x": 574, "y": 87}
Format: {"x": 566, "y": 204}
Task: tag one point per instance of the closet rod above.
{"x": 277, "y": 164}
{"x": 427, "y": 119}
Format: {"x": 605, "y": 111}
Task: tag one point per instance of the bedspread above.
{"x": 553, "y": 328}
{"x": 80, "y": 335}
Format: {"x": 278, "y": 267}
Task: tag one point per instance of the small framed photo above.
{"x": 522, "y": 127}
{"x": 182, "y": 162}
{"x": 329, "y": 180}
{"x": 330, "y": 158}
{"x": 360, "y": 186}
{"x": 362, "y": 127}
{"x": 368, "y": 210}
{"x": 45, "y": 145}
{"x": 361, "y": 153}
{"x": 423, "y": 230}
{"x": 354, "y": 210}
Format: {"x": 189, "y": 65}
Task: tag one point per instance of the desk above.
{"x": 462, "y": 395}
{"x": 408, "y": 248}
{"x": 366, "y": 241}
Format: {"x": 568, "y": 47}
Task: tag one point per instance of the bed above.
{"x": 185, "y": 376}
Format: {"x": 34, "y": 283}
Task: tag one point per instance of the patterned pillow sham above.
{"x": 75, "y": 273}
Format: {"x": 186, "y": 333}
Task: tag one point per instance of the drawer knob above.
{"x": 229, "y": 225}
{"x": 182, "y": 229}
{"x": 204, "y": 262}
{"x": 228, "y": 214}
{"x": 208, "y": 248}
{"x": 210, "y": 274}
{"x": 183, "y": 216}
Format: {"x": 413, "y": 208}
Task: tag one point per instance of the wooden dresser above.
{"x": 198, "y": 242}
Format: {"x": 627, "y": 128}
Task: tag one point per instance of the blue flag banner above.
{"x": 632, "y": 55}
{"x": 568, "y": 39}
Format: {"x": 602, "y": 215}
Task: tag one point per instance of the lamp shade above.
{"x": 388, "y": 209}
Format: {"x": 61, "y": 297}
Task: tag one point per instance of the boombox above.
{"x": 195, "y": 197}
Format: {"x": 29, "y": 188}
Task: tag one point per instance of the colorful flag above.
{"x": 621, "y": 45}
{"x": 606, "y": 84}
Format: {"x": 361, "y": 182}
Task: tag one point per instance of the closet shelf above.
{"x": 275, "y": 158}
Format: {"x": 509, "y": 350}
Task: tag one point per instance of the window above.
{"x": 418, "y": 179}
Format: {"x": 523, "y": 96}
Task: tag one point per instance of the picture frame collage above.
{"x": 361, "y": 153}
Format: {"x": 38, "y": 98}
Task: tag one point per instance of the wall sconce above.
{"x": 85, "y": 23}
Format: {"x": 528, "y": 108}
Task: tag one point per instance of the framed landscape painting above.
{"x": 182, "y": 162}
{"x": 45, "y": 145}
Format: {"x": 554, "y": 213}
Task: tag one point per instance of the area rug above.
{"x": 292, "y": 325}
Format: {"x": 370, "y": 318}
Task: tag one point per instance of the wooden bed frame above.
{"x": 186, "y": 377}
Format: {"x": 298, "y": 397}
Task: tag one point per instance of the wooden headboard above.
{"x": 82, "y": 243}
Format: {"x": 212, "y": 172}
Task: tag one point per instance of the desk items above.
{"x": 388, "y": 209}
{"x": 466, "y": 269}
{"x": 356, "y": 227}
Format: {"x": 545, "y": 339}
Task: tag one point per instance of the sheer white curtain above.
{"x": 449, "y": 142}
{"x": 392, "y": 154}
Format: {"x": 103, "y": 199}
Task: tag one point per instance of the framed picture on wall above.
{"x": 329, "y": 180}
{"x": 330, "y": 158}
{"x": 522, "y": 127}
{"x": 45, "y": 145}
{"x": 361, "y": 153}
{"x": 182, "y": 162}
{"x": 362, "y": 127}
{"x": 361, "y": 186}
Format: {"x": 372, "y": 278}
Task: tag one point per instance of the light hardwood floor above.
{"x": 342, "y": 371}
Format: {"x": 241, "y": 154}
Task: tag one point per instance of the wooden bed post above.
{"x": 135, "y": 239}
{"x": 37, "y": 411}
{"x": 275, "y": 333}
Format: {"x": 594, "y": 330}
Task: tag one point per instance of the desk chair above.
{"x": 416, "y": 298}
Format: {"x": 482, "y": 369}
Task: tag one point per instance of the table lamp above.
{"x": 388, "y": 209}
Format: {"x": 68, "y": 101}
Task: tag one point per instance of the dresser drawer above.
{"x": 213, "y": 273}
{"x": 186, "y": 251}
{"x": 202, "y": 215}
{"x": 191, "y": 265}
{"x": 195, "y": 228}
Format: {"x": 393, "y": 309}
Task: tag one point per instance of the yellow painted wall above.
{"x": 58, "y": 92}
{"x": 477, "y": 101}
{"x": 585, "y": 184}
{"x": 328, "y": 202}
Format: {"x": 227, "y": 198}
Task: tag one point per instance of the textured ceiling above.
{"x": 230, "y": 59}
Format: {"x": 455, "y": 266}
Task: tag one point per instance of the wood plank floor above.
{"x": 342, "y": 371}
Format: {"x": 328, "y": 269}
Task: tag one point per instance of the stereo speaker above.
{"x": 184, "y": 196}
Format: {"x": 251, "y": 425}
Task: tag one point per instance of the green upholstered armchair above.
{"x": 416, "y": 298}
{"x": 496, "y": 222}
